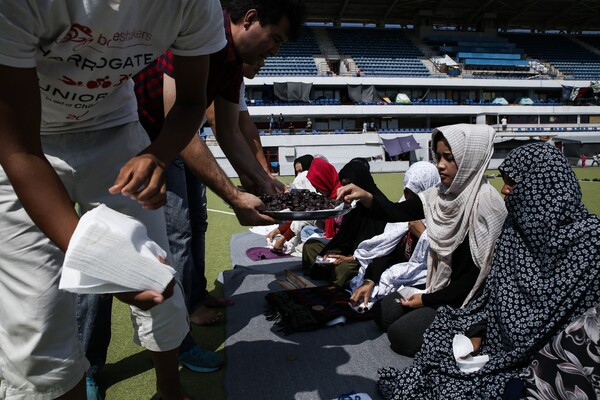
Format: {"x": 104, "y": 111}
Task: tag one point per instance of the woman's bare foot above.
{"x": 205, "y": 316}
{"x": 213, "y": 302}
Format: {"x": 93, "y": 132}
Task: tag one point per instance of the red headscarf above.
{"x": 324, "y": 177}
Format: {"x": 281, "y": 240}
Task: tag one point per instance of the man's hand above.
{"x": 413, "y": 301}
{"x": 362, "y": 292}
{"x": 142, "y": 179}
{"x": 146, "y": 299}
{"x": 416, "y": 228}
{"x": 352, "y": 192}
{"x": 246, "y": 207}
{"x": 264, "y": 186}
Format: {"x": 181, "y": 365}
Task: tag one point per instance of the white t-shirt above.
{"x": 243, "y": 105}
{"x": 86, "y": 52}
{"x": 503, "y": 121}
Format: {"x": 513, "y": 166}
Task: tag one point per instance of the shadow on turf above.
{"x": 124, "y": 369}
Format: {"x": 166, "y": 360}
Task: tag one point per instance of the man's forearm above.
{"x": 184, "y": 103}
{"x": 252, "y": 137}
{"x": 180, "y": 126}
{"x": 233, "y": 143}
{"x": 202, "y": 163}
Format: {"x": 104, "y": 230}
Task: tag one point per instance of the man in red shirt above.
{"x": 254, "y": 30}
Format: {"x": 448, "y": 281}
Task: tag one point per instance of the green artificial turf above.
{"x": 128, "y": 374}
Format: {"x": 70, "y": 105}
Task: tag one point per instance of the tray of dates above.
{"x": 302, "y": 205}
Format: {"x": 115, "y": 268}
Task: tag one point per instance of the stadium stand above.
{"x": 380, "y": 52}
{"x": 573, "y": 60}
{"x": 294, "y": 58}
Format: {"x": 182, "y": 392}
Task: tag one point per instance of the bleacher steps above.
{"x": 589, "y": 47}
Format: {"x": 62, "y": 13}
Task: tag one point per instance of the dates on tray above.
{"x": 298, "y": 200}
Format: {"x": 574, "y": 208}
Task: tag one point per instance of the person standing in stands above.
{"x": 504, "y": 123}
{"x": 87, "y": 150}
{"x": 271, "y": 123}
{"x": 308, "y": 124}
{"x": 281, "y": 121}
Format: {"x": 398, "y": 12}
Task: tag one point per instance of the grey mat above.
{"x": 240, "y": 242}
{"x": 262, "y": 363}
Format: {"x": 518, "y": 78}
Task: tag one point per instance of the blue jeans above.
{"x": 196, "y": 191}
{"x": 186, "y": 220}
{"x": 93, "y": 315}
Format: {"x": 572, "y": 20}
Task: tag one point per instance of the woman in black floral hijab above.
{"x": 544, "y": 274}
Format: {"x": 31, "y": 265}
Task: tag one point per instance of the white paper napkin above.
{"x": 111, "y": 252}
{"x": 462, "y": 348}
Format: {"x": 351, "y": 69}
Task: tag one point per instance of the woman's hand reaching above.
{"x": 352, "y": 192}
{"x": 362, "y": 292}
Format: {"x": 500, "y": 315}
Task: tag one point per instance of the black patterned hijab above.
{"x": 545, "y": 273}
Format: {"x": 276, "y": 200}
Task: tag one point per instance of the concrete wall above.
{"x": 337, "y": 148}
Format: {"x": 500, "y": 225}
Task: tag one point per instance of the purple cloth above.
{"x": 392, "y": 146}
{"x": 264, "y": 253}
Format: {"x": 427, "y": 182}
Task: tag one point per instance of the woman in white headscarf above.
{"x": 398, "y": 256}
{"x": 464, "y": 217}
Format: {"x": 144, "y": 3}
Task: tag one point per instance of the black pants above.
{"x": 405, "y": 326}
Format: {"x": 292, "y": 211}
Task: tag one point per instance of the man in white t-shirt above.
{"x": 504, "y": 123}
{"x": 70, "y": 134}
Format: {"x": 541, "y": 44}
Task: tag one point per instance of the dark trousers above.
{"x": 340, "y": 274}
{"x": 405, "y": 326}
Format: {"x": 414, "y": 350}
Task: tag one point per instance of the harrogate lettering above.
{"x": 84, "y": 63}
{"x": 138, "y": 60}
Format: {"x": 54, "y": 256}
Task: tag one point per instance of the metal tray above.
{"x": 308, "y": 215}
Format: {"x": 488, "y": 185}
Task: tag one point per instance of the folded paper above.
{"x": 111, "y": 252}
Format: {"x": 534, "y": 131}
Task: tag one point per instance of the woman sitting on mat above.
{"x": 356, "y": 226}
{"x": 464, "y": 216}
{"x": 398, "y": 256}
{"x": 544, "y": 275}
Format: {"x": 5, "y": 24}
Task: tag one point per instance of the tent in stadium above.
{"x": 525, "y": 101}
{"x": 500, "y": 100}
{"x": 402, "y": 98}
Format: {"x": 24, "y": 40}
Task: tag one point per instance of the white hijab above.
{"x": 419, "y": 177}
{"x": 470, "y": 205}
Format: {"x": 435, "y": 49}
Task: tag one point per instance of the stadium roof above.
{"x": 542, "y": 15}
